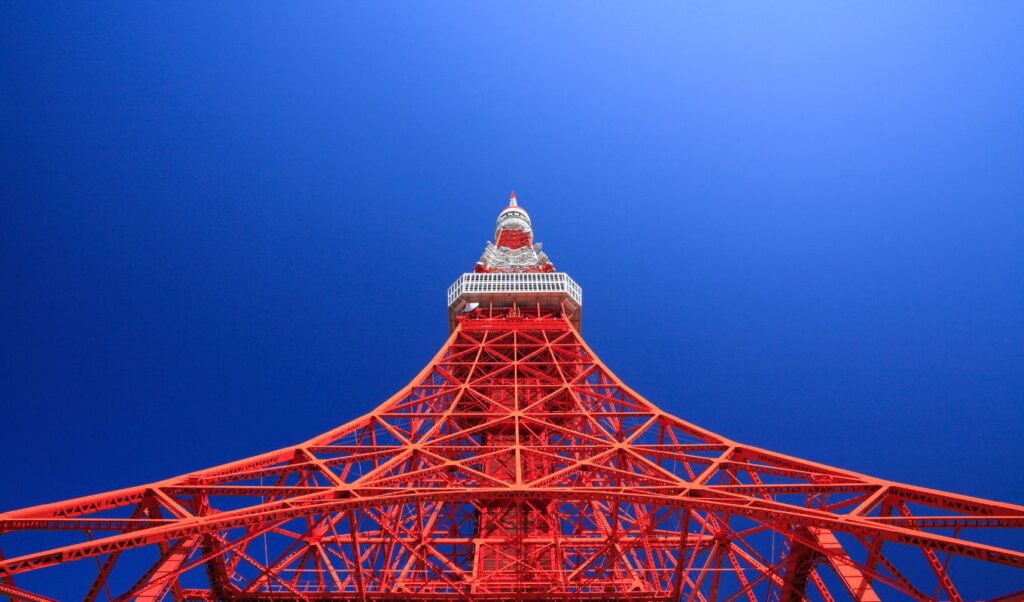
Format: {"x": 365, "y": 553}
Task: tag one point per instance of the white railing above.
{"x": 520, "y": 282}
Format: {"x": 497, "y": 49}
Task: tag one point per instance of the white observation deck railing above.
{"x": 504, "y": 283}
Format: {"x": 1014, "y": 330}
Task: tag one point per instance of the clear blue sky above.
{"x": 227, "y": 228}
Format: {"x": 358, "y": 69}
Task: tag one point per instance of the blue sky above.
{"x": 227, "y": 228}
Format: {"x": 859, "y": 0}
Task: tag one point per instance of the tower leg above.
{"x": 855, "y": 581}
{"x": 161, "y": 577}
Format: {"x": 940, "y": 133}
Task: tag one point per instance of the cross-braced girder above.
{"x": 517, "y": 466}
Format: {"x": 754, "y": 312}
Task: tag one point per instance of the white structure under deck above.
{"x": 550, "y": 289}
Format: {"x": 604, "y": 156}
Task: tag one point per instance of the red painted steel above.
{"x": 517, "y": 466}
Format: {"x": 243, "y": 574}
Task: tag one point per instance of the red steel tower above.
{"x": 517, "y": 466}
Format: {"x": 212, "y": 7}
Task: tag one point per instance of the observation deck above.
{"x": 527, "y": 290}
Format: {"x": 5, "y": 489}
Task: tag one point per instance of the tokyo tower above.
{"x": 517, "y": 466}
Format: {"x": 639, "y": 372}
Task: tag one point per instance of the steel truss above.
{"x": 516, "y": 466}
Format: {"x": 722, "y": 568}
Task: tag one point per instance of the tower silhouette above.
{"x": 517, "y": 466}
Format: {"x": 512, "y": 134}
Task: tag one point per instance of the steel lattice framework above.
{"x": 517, "y": 466}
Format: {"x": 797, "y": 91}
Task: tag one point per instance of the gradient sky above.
{"x": 224, "y": 229}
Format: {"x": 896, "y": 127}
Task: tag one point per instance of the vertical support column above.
{"x": 855, "y": 581}
{"x": 161, "y": 577}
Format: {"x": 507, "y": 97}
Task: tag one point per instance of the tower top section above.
{"x": 513, "y": 249}
{"x": 514, "y": 276}
{"x": 514, "y": 222}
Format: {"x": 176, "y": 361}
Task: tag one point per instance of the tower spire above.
{"x": 512, "y": 202}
